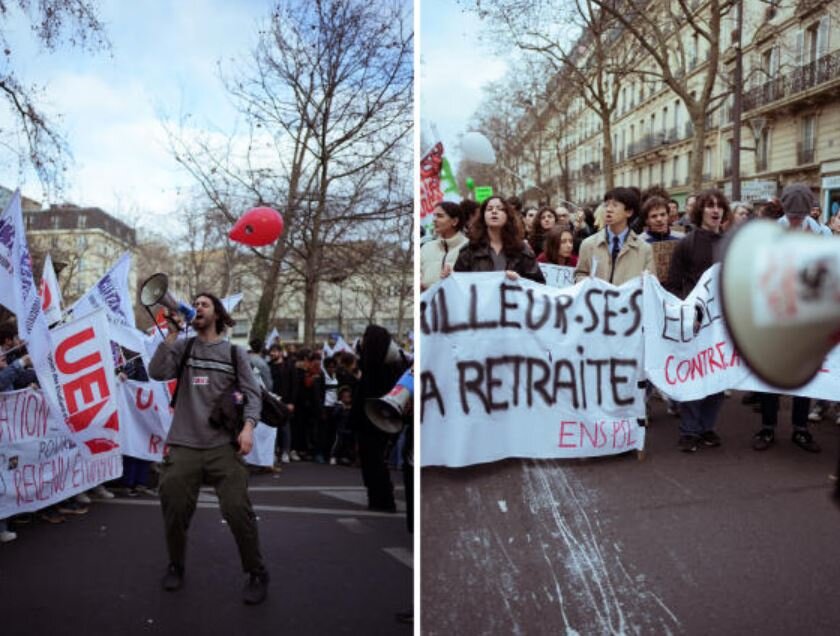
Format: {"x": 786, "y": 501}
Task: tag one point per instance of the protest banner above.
{"x": 145, "y": 418}
{"x": 558, "y": 275}
{"x": 86, "y": 382}
{"x": 518, "y": 369}
{"x": 689, "y": 353}
{"x": 40, "y": 463}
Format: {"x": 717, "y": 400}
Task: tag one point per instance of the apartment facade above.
{"x": 790, "y": 121}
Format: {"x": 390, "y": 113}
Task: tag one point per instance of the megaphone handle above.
{"x": 154, "y": 322}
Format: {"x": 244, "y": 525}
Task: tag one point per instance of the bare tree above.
{"x": 327, "y": 97}
{"x": 577, "y": 40}
{"x": 683, "y": 38}
{"x": 33, "y": 140}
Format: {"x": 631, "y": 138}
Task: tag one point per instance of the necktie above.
{"x": 615, "y": 249}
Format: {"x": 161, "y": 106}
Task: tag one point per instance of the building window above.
{"x": 807, "y": 145}
{"x": 82, "y": 222}
{"x": 763, "y": 154}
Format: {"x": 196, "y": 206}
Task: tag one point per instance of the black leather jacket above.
{"x": 475, "y": 257}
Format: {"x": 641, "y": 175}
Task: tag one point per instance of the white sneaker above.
{"x": 284, "y": 458}
{"x": 83, "y": 498}
{"x": 7, "y": 535}
{"x": 102, "y": 492}
{"x": 332, "y": 461}
{"x": 815, "y": 415}
{"x": 294, "y": 456}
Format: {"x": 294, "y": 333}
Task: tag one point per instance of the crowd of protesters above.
{"x": 324, "y": 392}
{"x": 616, "y": 239}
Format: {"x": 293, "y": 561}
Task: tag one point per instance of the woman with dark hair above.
{"x": 559, "y": 248}
{"x": 693, "y": 255}
{"x": 382, "y": 365}
{"x": 496, "y": 245}
{"x": 546, "y": 219}
{"x": 443, "y": 251}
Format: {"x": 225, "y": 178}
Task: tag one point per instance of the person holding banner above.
{"x": 442, "y": 252}
{"x": 617, "y": 252}
{"x": 694, "y": 254}
{"x": 198, "y": 451}
{"x": 497, "y": 245}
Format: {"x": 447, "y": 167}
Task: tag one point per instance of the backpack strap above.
{"x": 181, "y": 364}
{"x": 235, "y": 365}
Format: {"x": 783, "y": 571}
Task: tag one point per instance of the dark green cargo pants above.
{"x": 184, "y": 471}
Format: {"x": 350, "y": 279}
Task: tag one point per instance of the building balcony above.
{"x": 818, "y": 72}
{"x": 805, "y": 153}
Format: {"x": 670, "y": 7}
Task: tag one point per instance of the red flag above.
{"x": 430, "y": 192}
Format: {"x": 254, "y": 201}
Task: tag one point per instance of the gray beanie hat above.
{"x": 797, "y": 199}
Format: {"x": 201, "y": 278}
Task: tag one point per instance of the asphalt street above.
{"x": 336, "y": 567}
{"x": 724, "y": 541}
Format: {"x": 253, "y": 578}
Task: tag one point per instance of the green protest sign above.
{"x": 482, "y": 193}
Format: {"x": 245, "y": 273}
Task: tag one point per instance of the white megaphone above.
{"x": 387, "y": 412}
{"x": 155, "y": 291}
{"x": 780, "y": 295}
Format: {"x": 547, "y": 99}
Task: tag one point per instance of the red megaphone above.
{"x": 257, "y": 227}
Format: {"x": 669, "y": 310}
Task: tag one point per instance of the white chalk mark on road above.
{"x": 354, "y": 525}
{"x": 403, "y": 555}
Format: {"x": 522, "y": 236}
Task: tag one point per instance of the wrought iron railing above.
{"x": 800, "y": 79}
{"x": 805, "y": 153}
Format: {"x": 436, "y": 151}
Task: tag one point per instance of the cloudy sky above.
{"x": 163, "y": 63}
{"x": 454, "y": 67}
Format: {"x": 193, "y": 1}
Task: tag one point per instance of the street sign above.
{"x": 756, "y": 190}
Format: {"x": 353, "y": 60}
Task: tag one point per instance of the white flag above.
{"x": 19, "y": 293}
{"x": 50, "y": 293}
{"x": 111, "y": 294}
{"x": 230, "y": 302}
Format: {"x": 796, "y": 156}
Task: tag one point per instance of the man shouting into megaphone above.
{"x": 217, "y": 405}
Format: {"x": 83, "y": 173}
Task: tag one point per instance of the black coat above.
{"x": 475, "y": 257}
{"x": 693, "y": 255}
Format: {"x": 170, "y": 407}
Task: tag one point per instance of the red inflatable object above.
{"x": 257, "y": 227}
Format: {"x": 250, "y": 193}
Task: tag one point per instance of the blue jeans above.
{"x": 699, "y": 416}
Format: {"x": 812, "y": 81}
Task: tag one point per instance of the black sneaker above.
{"x": 174, "y": 577}
{"x": 763, "y": 440}
{"x": 805, "y": 441}
{"x": 688, "y": 443}
{"x": 710, "y": 438}
{"x": 256, "y": 588}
